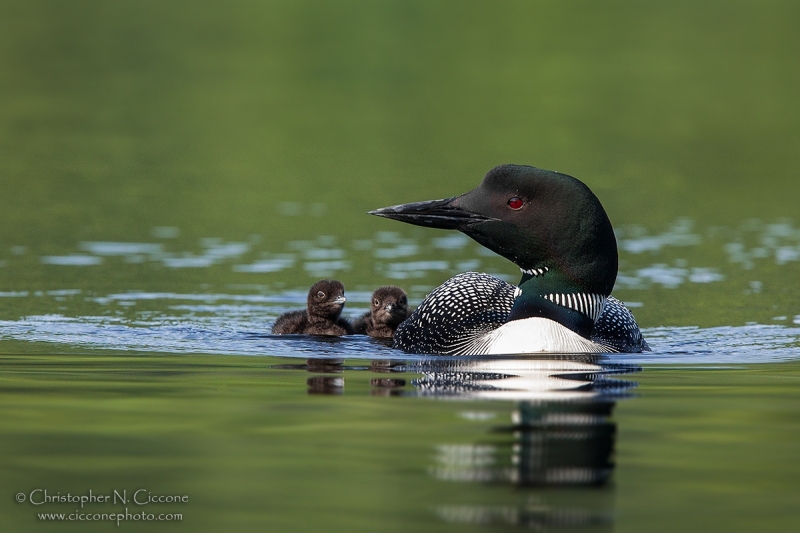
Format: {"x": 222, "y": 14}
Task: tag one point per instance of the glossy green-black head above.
{"x": 539, "y": 219}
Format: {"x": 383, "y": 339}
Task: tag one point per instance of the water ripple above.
{"x": 243, "y": 330}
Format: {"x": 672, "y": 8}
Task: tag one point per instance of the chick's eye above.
{"x": 320, "y": 294}
{"x": 515, "y": 203}
{"x": 376, "y": 302}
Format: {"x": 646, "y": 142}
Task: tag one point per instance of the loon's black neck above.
{"x": 540, "y": 287}
{"x": 530, "y": 306}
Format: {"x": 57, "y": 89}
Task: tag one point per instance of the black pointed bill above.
{"x": 441, "y": 214}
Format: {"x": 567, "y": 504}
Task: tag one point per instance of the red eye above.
{"x": 515, "y": 203}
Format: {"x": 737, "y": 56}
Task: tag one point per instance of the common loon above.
{"x": 555, "y": 229}
{"x": 322, "y": 314}
{"x": 389, "y": 308}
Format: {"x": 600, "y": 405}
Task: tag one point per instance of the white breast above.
{"x": 535, "y": 335}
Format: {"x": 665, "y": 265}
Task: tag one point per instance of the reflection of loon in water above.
{"x": 560, "y": 434}
{"x": 548, "y": 444}
{"x": 552, "y": 377}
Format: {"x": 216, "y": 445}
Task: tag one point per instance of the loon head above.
{"x": 326, "y": 299}
{"x": 549, "y": 224}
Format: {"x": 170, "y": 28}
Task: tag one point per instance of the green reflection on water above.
{"x": 253, "y": 449}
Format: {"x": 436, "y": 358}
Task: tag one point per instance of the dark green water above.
{"x": 175, "y": 175}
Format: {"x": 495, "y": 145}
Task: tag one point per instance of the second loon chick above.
{"x": 322, "y": 315}
{"x": 389, "y": 309}
{"x": 555, "y": 229}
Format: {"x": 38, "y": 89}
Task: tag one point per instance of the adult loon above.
{"x": 322, "y": 315}
{"x": 389, "y": 308}
{"x": 555, "y": 229}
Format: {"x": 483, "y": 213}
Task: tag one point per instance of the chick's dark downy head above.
{"x": 326, "y": 299}
{"x": 389, "y": 306}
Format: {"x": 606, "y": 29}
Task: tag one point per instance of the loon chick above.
{"x": 389, "y": 309}
{"x": 322, "y": 315}
{"x": 555, "y": 229}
